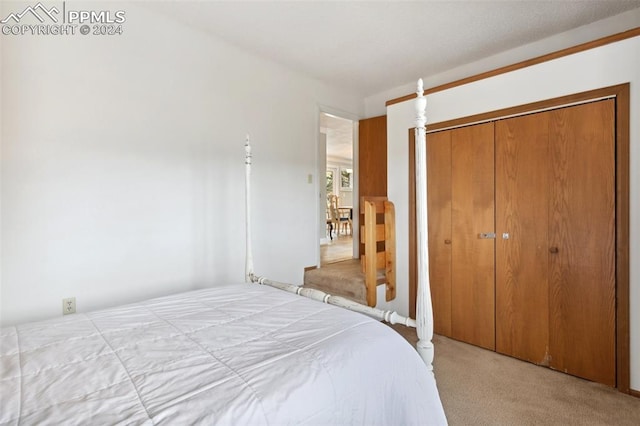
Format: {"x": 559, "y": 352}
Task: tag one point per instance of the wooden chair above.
{"x": 336, "y": 218}
{"x": 329, "y": 223}
{"x": 378, "y": 235}
{"x": 344, "y": 215}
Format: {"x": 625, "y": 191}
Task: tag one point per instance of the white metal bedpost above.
{"x": 424, "y": 310}
{"x": 248, "y": 267}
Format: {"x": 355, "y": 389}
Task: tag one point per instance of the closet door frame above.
{"x": 621, "y": 95}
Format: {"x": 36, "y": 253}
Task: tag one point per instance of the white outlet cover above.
{"x": 69, "y": 305}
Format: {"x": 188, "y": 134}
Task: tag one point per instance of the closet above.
{"x": 462, "y": 159}
{"x": 522, "y": 237}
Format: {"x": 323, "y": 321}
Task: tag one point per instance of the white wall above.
{"x": 375, "y": 104}
{"x": 321, "y": 182}
{"x": 601, "y": 67}
{"x": 122, "y": 164}
{"x": 1, "y": 174}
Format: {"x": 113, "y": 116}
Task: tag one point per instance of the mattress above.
{"x": 229, "y": 355}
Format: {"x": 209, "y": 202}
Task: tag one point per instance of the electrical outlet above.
{"x": 69, "y": 305}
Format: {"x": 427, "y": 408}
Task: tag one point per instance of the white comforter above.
{"x": 238, "y": 355}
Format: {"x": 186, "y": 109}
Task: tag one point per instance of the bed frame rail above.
{"x": 424, "y": 312}
{"x": 391, "y": 317}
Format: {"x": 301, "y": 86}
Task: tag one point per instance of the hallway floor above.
{"x": 337, "y": 250}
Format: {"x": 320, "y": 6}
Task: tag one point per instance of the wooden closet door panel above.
{"x": 582, "y": 241}
{"x": 439, "y": 218}
{"x": 473, "y": 265}
{"x": 522, "y": 194}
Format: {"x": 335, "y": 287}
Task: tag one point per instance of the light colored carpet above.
{"x": 481, "y": 387}
{"x": 341, "y": 279}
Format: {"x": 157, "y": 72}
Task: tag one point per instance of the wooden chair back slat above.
{"x": 381, "y": 261}
{"x": 378, "y": 201}
{"x": 379, "y": 232}
{"x": 378, "y": 209}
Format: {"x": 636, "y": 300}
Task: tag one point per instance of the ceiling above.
{"x": 371, "y": 46}
{"x": 368, "y": 47}
{"x": 339, "y": 133}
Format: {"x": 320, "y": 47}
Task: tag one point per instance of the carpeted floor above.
{"x": 340, "y": 279}
{"x": 481, "y": 387}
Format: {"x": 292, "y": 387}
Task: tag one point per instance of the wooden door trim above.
{"x": 622, "y": 239}
{"x": 634, "y": 32}
{"x": 621, "y": 94}
{"x": 413, "y": 227}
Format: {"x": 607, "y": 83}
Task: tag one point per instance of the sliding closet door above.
{"x": 472, "y": 222}
{"x": 439, "y": 208}
{"x": 522, "y": 199}
{"x": 582, "y": 241}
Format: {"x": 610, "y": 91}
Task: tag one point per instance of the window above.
{"x": 346, "y": 179}
{"x": 330, "y": 180}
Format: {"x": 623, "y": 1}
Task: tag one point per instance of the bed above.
{"x": 232, "y": 354}
{"x": 236, "y": 354}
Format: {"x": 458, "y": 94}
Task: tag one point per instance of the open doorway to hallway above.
{"x": 336, "y": 242}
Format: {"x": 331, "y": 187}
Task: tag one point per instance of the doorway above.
{"x": 336, "y": 235}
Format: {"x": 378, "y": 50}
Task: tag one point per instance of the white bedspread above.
{"x": 237, "y": 355}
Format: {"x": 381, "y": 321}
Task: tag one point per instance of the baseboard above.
{"x": 310, "y": 268}
{"x": 634, "y": 392}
